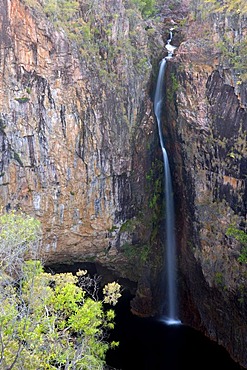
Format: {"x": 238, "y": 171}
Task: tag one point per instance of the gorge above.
{"x": 80, "y": 149}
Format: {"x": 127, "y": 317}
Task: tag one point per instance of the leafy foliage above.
{"x": 62, "y": 10}
{"x": 45, "y": 319}
{"x": 19, "y": 235}
{"x": 112, "y": 293}
{"x": 241, "y": 237}
{"x": 147, "y": 7}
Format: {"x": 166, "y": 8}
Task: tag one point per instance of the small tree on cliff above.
{"x": 48, "y": 321}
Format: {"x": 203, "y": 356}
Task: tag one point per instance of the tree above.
{"x": 47, "y": 321}
{"x": 146, "y": 7}
{"x": 61, "y": 10}
{"x": 20, "y": 235}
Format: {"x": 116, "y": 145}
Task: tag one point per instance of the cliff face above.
{"x": 70, "y": 140}
{"x": 78, "y": 136}
{"x": 208, "y": 123}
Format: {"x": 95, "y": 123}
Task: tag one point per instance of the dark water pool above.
{"x": 150, "y": 344}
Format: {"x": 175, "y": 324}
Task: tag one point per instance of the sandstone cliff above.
{"x": 208, "y": 123}
{"x": 76, "y": 120}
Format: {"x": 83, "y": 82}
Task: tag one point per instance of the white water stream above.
{"x": 170, "y": 309}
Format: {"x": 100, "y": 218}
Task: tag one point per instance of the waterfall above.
{"x": 171, "y": 313}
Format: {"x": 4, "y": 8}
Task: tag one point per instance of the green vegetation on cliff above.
{"x": 241, "y": 237}
{"x": 230, "y": 6}
{"x": 147, "y": 7}
{"x": 106, "y": 35}
{"x": 224, "y": 24}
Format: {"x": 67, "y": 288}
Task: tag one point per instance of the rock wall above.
{"x": 207, "y": 119}
{"x": 75, "y": 124}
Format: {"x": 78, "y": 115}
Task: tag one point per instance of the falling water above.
{"x": 171, "y": 314}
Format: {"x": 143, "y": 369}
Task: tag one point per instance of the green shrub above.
{"x": 241, "y": 237}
